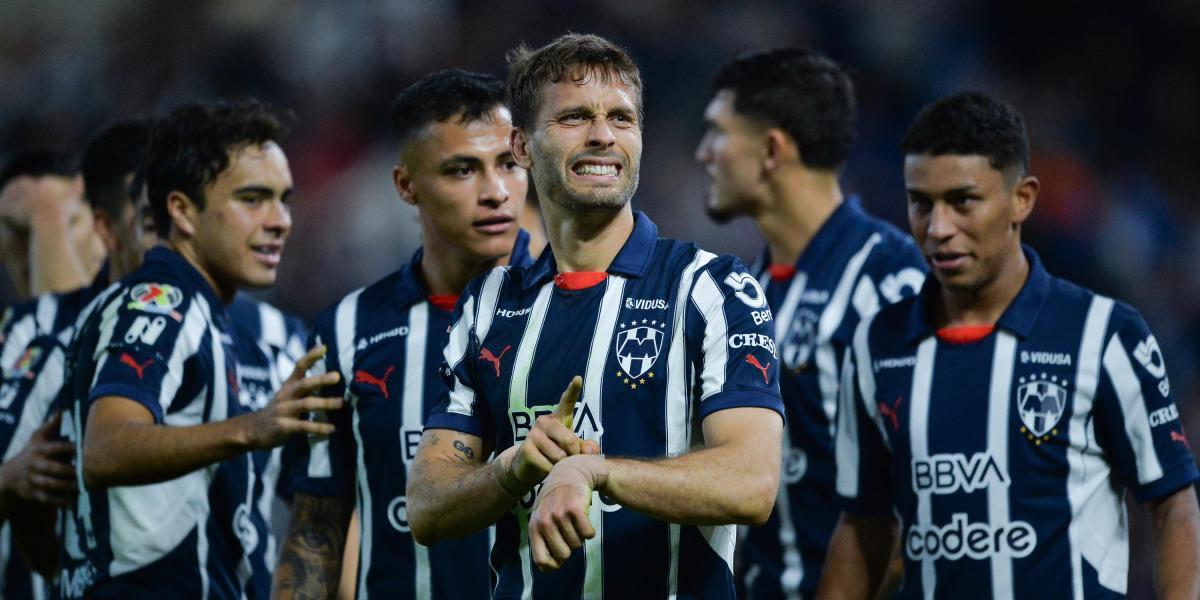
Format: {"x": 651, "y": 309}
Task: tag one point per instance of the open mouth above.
{"x": 597, "y": 169}
{"x": 268, "y": 254}
{"x": 495, "y": 224}
{"x": 948, "y": 261}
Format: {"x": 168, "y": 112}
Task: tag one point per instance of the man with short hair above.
{"x": 167, "y": 481}
{"x": 780, "y": 126}
{"x": 386, "y": 340}
{"x": 1001, "y": 413}
{"x": 664, "y": 346}
{"x": 46, "y": 237}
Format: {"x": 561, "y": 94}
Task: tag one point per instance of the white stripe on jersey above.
{"x": 845, "y": 445}
{"x": 47, "y": 309}
{"x": 678, "y": 406}
{"x": 1003, "y": 358}
{"x": 518, "y": 392}
{"x": 319, "y": 463}
{"x": 793, "y": 565}
{"x": 345, "y": 331}
{"x": 202, "y": 555}
{"x": 1133, "y": 408}
{"x": 707, "y": 297}
{"x": 19, "y": 336}
{"x": 37, "y": 404}
{"x": 489, "y": 295}
{"x": 146, "y": 522}
{"x": 783, "y": 318}
{"x": 412, "y": 420}
{"x": 918, "y": 434}
{"x": 1097, "y": 532}
{"x": 272, "y": 328}
{"x": 462, "y": 397}
{"x": 593, "y": 388}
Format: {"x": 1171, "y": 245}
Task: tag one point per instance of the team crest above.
{"x": 157, "y": 298}
{"x": 1041, "y": 401}
{"x": 638, "y": 345}
{"x": 800, "y": 340}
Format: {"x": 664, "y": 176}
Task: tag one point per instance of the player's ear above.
{"x": 518, "y": 141}
{"x": 779, "y": 149}
{"x": 1024, "y": 195}
{"x": 404, "y": 183}
{"x": 105, "y": 229}
{"x": 183, "y": 212}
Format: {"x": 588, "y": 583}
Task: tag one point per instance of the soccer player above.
{"x": 46, "y": 237}
{"x": 1002, "y": 412}
{"x": 167, "y": 483}
{"x": 664, "y": 346}
{"x": 780, "y": 125}
{"x": 386, "y": 339}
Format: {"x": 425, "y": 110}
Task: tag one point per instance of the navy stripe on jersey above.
{"x": 161, "y": 338}
{"x": 1000, "y": 456}
{"x": 852, "y": 266}
{"x": 386, "y": 341}
{"x": 672, "y": 335}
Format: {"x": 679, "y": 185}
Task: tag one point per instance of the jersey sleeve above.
{"x": 894, "y": 271}
{"x": 1137, "y": 420}
{"x": 460, "y": 407}
{"x": 864, "y": 462}
{"x": 144, "y": 331}
{"x": 324, "y": 465}
{"x": 730, "y": 340}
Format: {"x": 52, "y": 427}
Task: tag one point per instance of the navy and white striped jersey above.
{"x": 33, "y": 334}
{"x": 268, "y": 343}
{"x": 385, "y": 339}
{"x": 1006, "y": 458}
{"x": 162, "y": 338}
{"x": 853, "y": 265}
{"x": 671, "y": 335}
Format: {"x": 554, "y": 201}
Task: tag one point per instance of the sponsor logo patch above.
{"x": 157, "y": 298}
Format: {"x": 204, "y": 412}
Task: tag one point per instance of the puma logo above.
{"x": 891, "y": 412}
{"x": 487, "y": 355}
{"x": 757, "y": 365}
{"x": 1179, "y": 437}
{"x": 361, "y": 376}
{"x": 126, "y": 359}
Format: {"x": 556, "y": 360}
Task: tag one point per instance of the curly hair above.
{"x": 800, "y": 91}
{"x": 192, "y": 145}
{"x": 971, "y": 123}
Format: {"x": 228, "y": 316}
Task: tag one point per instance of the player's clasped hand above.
{"x": 284, "y": 416}
{"x": 559, "y": 523}
{"x": 550, "y": 441}
{"x": 42, "y": 471}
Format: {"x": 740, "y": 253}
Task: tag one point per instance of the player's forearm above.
{"x": 310, "y": 564}
{"x": 142, "y": 453}
{"x": 53, "y": 262}
{"x": 1176, "y": 522}
{"x": 712, "y": 486}
{"x": 450, "y": 499}
{"x": 858, "y": 559}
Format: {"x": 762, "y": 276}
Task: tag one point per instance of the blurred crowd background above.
{"x": 1110, "y": 91}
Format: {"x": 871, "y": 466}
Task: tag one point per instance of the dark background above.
{"x": 1110, "y": 91}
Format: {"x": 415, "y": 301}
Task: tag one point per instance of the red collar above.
{"x": 578, "y": 280}
{"x": 444, "y": 302}
{"x": 965, "y": 334}
{"x": 781, "y": 272}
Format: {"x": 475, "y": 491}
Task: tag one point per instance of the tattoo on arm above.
{"x": 465, "y": 449}
{"x": 311, "y": 562}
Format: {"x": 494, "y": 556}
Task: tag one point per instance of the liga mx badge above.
{"x": 1041, "y": 401}
{"x": 638, "y": 346}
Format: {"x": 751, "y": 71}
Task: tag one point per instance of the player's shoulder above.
{"x": 21, "y": 314}
{"x": 892, "y": 322}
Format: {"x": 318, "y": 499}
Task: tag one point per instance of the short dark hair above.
{"x": 38, "y": 163}
{"x": 191, "y": 146}
{"x": 441, "y": 95}
{"x": 109, "y": 158}
{"x": 573, "y": 55}
{"x": 971, "y": 123}
{"x": 802, "y": 92}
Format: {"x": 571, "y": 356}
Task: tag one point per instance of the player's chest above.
{"x": 806, "y": 314}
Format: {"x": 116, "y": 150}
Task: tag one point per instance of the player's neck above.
{"x": 985, "y": 305}
{"x": 447, "y": 271}
{"x": 185, "y": 249}
{"x": 800, "y": 203}
{"x": 586, "y": 241}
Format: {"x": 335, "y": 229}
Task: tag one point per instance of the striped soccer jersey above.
{"x": 670, "y": 336}
{"x": 852, "y": 266}
{"x": 32, "y": 359}
{"x": 386, "y": 341}
{"x": 1006, "y": 458}
{"x": 267, "y": 343}
{"x": 161, "y": 338}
